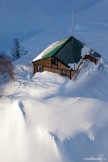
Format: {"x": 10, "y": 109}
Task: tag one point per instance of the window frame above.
{"x": 54, "y": 62}
{"x": 64, "y": 72}
{"x": 40, "y": 68}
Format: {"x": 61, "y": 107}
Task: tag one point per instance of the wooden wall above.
{"x": 90, "y": 58}
{"x": 46, "y": 64}
{"x": 62, "y": 66}
{"x": 73, "y": 73}
{"x": 52, "y": 70}
{"x": 35, "y": 68}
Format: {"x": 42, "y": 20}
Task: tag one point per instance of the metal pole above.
{"x": 72, "y": 23}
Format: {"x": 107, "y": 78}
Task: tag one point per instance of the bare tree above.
{"x": 6, "y": 69}
{"x": 18, "y": 51}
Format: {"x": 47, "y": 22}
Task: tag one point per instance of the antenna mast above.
{"x": 72, "y": 22}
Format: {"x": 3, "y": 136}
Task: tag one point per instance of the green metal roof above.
{"x": 55, "y": 47}
{"x": 67, "y": 50}
{"x": 51, "y": 50}
{"x": 71, "y": 52}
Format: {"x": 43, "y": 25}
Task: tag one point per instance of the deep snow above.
{"x": 47, "y": 117}
{"x": 34, "y": 22}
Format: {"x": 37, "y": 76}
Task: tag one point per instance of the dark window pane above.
{"x": 54, "y": 61}
{"x": 63, "y": 72}
{"x": 40, "y": 69}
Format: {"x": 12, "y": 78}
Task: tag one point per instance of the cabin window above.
{"x": 40, "y": 69}
{"x": 63, "y": 72}
{"x": 54, "y": 63}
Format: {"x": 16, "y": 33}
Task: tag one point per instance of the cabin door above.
{"x": 40, "y": 69}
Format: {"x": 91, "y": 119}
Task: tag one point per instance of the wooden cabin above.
{"x": 53, "y": 65}
{"x": 62, "y": 57}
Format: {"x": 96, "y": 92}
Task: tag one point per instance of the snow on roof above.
{"x": 88, "y": 51}
{"x": 44, "y": 52}
{"x": 85, "y": 50}
{"x": 51, "y": 50}
{"x": 72, "y": 65}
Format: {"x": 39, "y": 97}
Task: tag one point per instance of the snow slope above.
{"x": 47, "y": 117}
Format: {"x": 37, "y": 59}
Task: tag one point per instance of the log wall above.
{"x": 62, "y": 66}
{"x": 45, "y": 62}
{"x": 46, "y": 65}
{"x": 90, "y": 58}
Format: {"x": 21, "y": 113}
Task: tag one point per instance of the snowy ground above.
{"x": 47, "y": 117}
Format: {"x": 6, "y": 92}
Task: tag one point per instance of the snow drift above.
{"x": 47, "y": 117}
